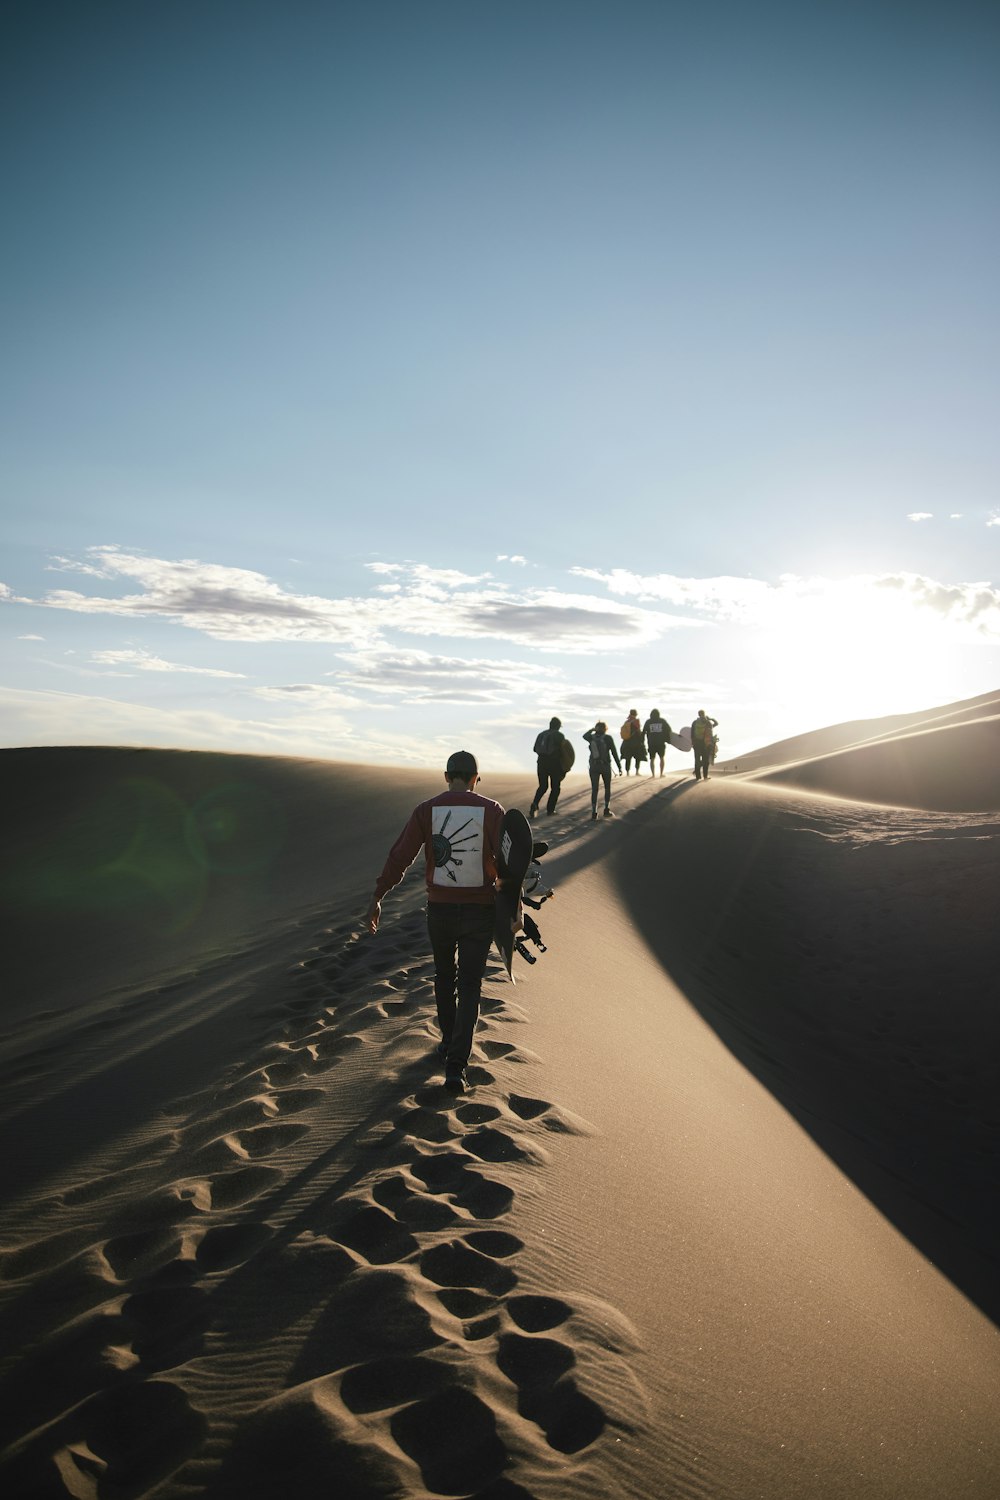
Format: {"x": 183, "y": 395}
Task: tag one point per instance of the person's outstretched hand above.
{"x": 372, "y": 916}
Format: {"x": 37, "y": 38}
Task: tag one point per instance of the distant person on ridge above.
{"x": 703, "y": 744}
{"x": 459, "y": 832}
{"x": 632, "y": 747}
{"x": 657, "y": 732}
{"x": 602, "y": 748}
{"x": 548, "y": 748}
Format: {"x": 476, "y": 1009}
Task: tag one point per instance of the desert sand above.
{"x": 719, "y": 1217}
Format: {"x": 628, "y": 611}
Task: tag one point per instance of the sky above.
{"x": 385, "y": 378}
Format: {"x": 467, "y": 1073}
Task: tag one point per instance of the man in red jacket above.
{"x": 459, "y": 832}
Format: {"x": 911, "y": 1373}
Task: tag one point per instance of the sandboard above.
{"x": 513, "y": 859}
{"x": 682, "y": 739}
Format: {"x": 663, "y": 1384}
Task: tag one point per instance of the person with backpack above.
{"x": 703, "y": 744}
{"x": 657, "y": 732}
{"x": 602, "y": 749}
{"x": 551, "y": 767}
{"x": 633, "y": 748}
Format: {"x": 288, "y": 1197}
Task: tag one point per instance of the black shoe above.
{"x": 608, "y": 813}
{"x": 594, "y": 813}
{"x": 455, "y": 1081}
{"x": 442, "y": 1049}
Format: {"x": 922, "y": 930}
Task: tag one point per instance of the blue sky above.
{"x": 384, "y": 377}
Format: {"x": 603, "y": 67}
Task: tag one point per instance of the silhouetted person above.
{"x": 548, "y": 748}
{"x": 657, "y": 732}
{"x": 703, "y": 744}
{"x": 602, "y": 749}
{"x": 632, "y": 747}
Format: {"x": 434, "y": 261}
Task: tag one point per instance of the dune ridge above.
{"x": 717, "y": 1219}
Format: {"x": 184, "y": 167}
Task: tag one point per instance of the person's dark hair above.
{"x": 601, "y": 727}
{"x": 555, "y": 723}
{"x": 654, "y": 713}
{"x": 462, "y": 765}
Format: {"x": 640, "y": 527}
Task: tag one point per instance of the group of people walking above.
{"x": 459, "y": 831}
{"x": 639, "y": 742}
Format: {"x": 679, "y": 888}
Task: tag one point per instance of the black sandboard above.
{"x": 513, "y": 859}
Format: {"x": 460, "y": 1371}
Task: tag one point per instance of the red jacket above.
{"x": 459, "y": 833}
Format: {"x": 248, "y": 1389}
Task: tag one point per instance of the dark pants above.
{"x": 596, "y": 774}
{"x": 461, "y": 933}
{"x": 632, "y": 751}
{"x": 702, "y": 759}
{"x": 550, "y": 775}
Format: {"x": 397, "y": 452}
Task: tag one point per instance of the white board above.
{"x": 682, "y": 739}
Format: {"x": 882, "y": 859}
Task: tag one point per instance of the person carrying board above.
{"x": 459, "y": 832}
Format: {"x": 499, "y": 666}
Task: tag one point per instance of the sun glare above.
{"x": 854, "y": 653}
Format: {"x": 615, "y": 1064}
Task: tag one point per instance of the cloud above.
{"x": 972, "y": 605}
{"x": 226, "y": 603}
{"x": 920, "y": 515}
{"x": 237, "y": 604}
{"x": 312, "y": 694}
{"x": 822, "y": 605}
{"x": 513, "y": 557}
{"x": 723, "y": 598}
{"x": 142, "y": 661}
{"x": 436, "y": 580}
{"x": 994, "y": 520}
{"x": 416, "y": 677}
{"x": 31, "y": 637}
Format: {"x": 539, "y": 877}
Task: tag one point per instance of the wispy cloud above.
{"x": 415, "y": 677}
{"x": 143, "y": 661}
{"x": 920, "y": 515}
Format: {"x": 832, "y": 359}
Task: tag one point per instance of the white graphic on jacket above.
{"x": 457, "y": 842}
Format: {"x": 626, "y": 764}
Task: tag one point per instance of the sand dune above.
{"x": 719, "y": 1218}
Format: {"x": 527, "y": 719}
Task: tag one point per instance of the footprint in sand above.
{"x": 535, "y": 1314}
{"x": 418, "y": 1211}
{"x": 547, "y": 1396}
{"x": 265, "y": 1140}
{"x": 456, "y": 1264}
{"x": 384, "y": 1383}
{"x": 292, "y": 1101}
{"x": 527, "y": 1109}
{"x": 376, "y": 1235}
{"x": 168, "y": 1325}
{"x": 449, "y": 1173}
{"x": 228, "y": 1245}
{"x": 426, "y": 1125}
{"x": 131, "y": 1255}
{"x": 227, "y": 1190}
{"x": 497, "y": 1146}
{"x": 123, "y": 1441}
{"x": 452, "y": 1438}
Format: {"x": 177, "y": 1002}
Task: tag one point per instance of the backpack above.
{"x": 701, "y": 730}
{"x": 626, "y": 730}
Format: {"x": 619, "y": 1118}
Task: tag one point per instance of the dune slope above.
{"x": 718, "y": 1218}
